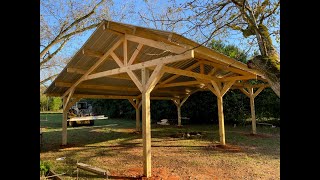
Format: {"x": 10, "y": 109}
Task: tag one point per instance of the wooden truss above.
{"x": 152, "y": 72}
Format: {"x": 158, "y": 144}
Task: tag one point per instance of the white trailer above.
{"x": 81, "y": 113}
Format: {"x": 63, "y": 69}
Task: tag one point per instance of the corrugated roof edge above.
{"x": 102, "y": 22}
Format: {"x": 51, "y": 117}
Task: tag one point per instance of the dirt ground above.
{"x": 119, "y": 150}
{"x": 204, "y": 162}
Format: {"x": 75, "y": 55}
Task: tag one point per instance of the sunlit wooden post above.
{"x": 251, "y": 94}
{"x": 220, "y": 91}
{"x": 64, "y": 123}
{"x": 136, "y": 106}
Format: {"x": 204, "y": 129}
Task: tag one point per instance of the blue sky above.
{"x": 130, "y": 8}
{"x": 159, "y": 7}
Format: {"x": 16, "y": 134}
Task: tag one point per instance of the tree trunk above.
{"x": 269, "y": 62}
{"x": 268, "y": 67}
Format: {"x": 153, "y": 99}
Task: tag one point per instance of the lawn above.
{"x": 113, "y": 145}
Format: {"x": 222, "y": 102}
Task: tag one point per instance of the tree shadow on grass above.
{"x": 83, "y": 137}
{"x": 237, "y": 139}
{"x": 88, "y": 136}
{"x": 90, "y": 154}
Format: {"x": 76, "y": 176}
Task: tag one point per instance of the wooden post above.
{"x": 179, "y": 115}
{"x": 146, "y": 131}
{"x": 253, "y": 115}
{"x": 146, "y": 134}
{"x": 221, "y": 121}
{"x": 178, "y": 104}
{"x": 220, "y": 91}
{"x": 137, "y": 115}
{"x": 137, "y": 108}
{"x": 251, "y": 94}
{"x": 64, "y": 123}
{"x": 66, "y": 105}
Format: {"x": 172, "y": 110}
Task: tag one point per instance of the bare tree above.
{"x": 255, "y": 20}
{"x": 60, "y": 21}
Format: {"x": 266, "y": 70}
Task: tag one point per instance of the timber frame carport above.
{"x": 121, "y": 61}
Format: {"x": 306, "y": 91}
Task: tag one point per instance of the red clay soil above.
{"x": 157, "y": 174}
{"x": 168, "y": 171}
{"x": 208, "y": 162}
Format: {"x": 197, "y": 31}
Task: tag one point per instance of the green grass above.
{"x": 51, "y": 112}
{"x": 114, "y": 139}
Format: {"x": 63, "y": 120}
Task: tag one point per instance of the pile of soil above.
{"x": 187, "y": 135}
{"x": 229, "y": 148}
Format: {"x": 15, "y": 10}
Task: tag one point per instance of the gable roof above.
{"x": 189, "y": 66}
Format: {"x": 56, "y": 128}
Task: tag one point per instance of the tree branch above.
{"x": 50, "y": 56}
{"x": 78, "y": 31}
{"x": 58, "y": 38}
{"x": 47, "y": 79}
{"x": 252, "y": 24}
{"x": 272, "y": 12}
{"x": 82, "y": 18}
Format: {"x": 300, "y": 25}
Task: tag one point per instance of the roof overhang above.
{"x": 113, "y": 61}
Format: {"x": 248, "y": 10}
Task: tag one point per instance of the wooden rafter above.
{"x": 125, "y": 51}
{"x": 162, "y": 98}
{"x": 225, "y": 67}
{"x": 258, "y": 91}
{"x": 136, "y": 31}
{"x": 218, "y": 89}
{"x": 165, "y": 60}
{"x": 176, "y": 102}
{"x": 104, "y": 87}
{"x": 157, "y": 44}
{"x": 116, "y": 59}
{"x": 213, "y": 71}
{"x": 65, "y": 103}
{"x": 76, "y": 71}
{"x": 135, "y": 79}
{"x": 229, "y": 74}
{"x": 250, "y": 92}
{"x": 102, "y": 96}
{"x": 135, "y": 54}
{"x": 133, "y": 103}
{"x": 102, "y": 59}
{"x": 155, "y": 77}
{"x": 176, "y": 76}
{"x": 244, "y": 91}
{"x": 187, "y": 83}
{"x": 212, "y": 89}
{"x": 201, "y": 68}
{"x": 235, "y": 78}
{"x": 92, "y": 53}
{"x": 188, "y": 73}
{"x": 226, "y": 87}
{"x": 186, "y": 97}
{"x": 81, "y": 71}
{"x": 72, "y": 102}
